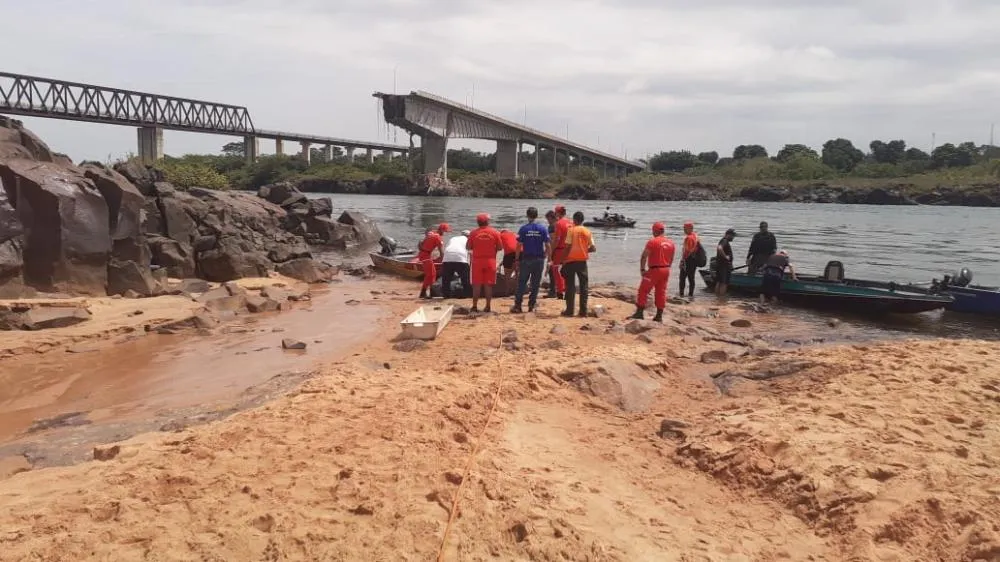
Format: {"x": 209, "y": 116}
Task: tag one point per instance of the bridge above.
{"x": 152, "y": 114}
{"x": 436, "y": 119}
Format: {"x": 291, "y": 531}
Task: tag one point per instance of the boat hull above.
{"x": 398, "y": 265}
{"x": 855, "y": 295}
{"x": 975, "y": 300}
{"x": 603, "y": 224}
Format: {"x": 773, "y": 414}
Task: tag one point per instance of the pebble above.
{"x": 289, "y": 343}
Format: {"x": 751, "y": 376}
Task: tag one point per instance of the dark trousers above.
{"x": 688, "y": 270}
{"x": 572, "y": 272}
{"x": 550, "y": 273}
{"x": 448, "y": 271}
{"x": 530, "y": 271}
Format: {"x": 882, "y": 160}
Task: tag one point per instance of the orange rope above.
{"x": 475, "y": 450}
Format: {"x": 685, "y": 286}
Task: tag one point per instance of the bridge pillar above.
{"x": 371, "y": 156}
{"x": 536, "y": 159}
{"x": 251, "y": 148}
{"x": 555, "y": 160}
{"x": 435, "y": 155}
{"x": 279, "y": 147}
{"x": 306, "y": 153}
{"x": 506, "y": 159}
{"x": 328, "y": 152}
{"x": 150, "y": 144}
{"x": 350, "y": 154}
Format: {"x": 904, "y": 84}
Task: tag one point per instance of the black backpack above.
{"x": 701, "y": 258}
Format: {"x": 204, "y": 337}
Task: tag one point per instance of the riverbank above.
{"x": 609, "y": 441}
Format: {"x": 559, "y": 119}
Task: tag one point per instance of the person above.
{"x": 388, "y": 246}
{"x": 689, "y": 258}
{"x": 432, "y": 242}
{"x": 724, "y": 262}
{"x": 607, "y": 212}
{"x": 559, "y": 247}
{"x": 456, "y": 262}
{"x": 532, "y": 247}
{"x": 579, "y": 244}
{"x": 509, "y": 240}
{"x": 550, "y": 216}
{"x": 484, "y": 242}
{"x": 658, "y": 255}
{"x": 773, "y": 272}
{"x": 762, "y": 245}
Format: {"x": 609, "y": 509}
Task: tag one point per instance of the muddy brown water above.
{"x": 145, "y": 382}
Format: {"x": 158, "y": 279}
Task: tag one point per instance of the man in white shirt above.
{"x": 456, "y": 260}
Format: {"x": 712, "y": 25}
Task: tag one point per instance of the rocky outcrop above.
{"x": 313, "y": 218}
{"x": 11, "y": 246}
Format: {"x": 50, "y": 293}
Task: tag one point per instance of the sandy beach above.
{"x": 553, "y": 439}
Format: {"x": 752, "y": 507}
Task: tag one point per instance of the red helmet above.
{"x": 444, "y": 227}
{"x": 689, "y": 224}
{"x": 658, "y": 228}
{"x": 483, "y": 219}
{"x": 560, "y": 210}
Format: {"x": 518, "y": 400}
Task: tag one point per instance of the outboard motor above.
{"x": 962, "y": 278}
{"x": 388, "y": 246}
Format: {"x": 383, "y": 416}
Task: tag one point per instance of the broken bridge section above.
{"x": 436, "y": 119}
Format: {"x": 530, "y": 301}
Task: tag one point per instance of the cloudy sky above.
{"x": 632, "y": 75}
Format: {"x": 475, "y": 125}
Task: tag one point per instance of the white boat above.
{"x": 426, "y": 322}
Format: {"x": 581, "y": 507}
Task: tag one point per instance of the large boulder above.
{"x": 11, "y": 246}
{"x": 278, "y": 193}
{"x": 366, "y": 232}
{"x": 144, "y": 178}
{"x": 621, "y": 383}
{"x": 67, "y": 226}
{"x": 307, "y": 270}
{"x": 176, "y": 257}
{"x": 18, "y": 142}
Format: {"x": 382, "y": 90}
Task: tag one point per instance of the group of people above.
{"x": 565, "y": 245}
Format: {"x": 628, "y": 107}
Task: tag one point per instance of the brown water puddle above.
{"x": 149, "y": 376}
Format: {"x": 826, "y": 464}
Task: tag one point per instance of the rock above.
{"x": 68, "y": 238}
{"x": 510, "y": 336}
{"x": 220, "y": 300}
{"x": 621, "y": 383}
{"x": 833, "y": 322}
{"x": 278, "y": 192}
{"x": 48, "y": 317}
{"x": 289, "y": 343}
{"x": 176, "y": 257}
{"x": 204, "y": 321}
{"x": 194, "y": 286}
{"x": 321, "y": 207}
{"x": 365, "y": 230}
{"x": 407, "y": 346}
{"x": 553, "y": 344}
{"x": 126, "y": 276}
{"x": 558, "y": 330}
{"x": 671, "y": 429}
{"x": 596, "y": 311}
{"x": 307, "y": 270}
{"x": 234, "y": 289}
{"x": 256, "y": 304}
{"x": 144, "y": 178}
{"x": 461, "y": 311}
{"x": 714, "y": 356}
{"x": 232, "y": 258}
{"x": 741, "y": 323}
{"x": 124, "y": 201}
{"x": 11, "y": 248}
{"x": 644, "y": 338}
{"x": 636, "y": 327}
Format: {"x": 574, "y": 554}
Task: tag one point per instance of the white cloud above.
{"x": 643, "y": 74}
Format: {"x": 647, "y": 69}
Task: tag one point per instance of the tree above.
{"x": 841, "y": 155}
{"x": 790, "y": 151}
{"x": 916, "y": 155}
{"x": 709, "y": 158}
{"x": 673, "y": 161}
{"x": 950, "y": 156}
{"x": 748, "y": 151}
{"x": 892, "y": 152}
{"x": 233, "y": 149}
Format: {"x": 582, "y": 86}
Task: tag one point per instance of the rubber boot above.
{"x": 659, "y": 315}
{"x": 638, "y": 314}
{"x": 423, "y": 293}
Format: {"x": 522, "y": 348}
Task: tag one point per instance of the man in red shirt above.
{"x": 659, "y": 255}
{"x": 432, "y": 241}
{"x": 562, "y": 227}
{"x": 484, "y": 243}
{"x": 689, "y": 258}
{"x": 509, "y": 240}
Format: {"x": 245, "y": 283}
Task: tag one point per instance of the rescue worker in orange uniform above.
{"x": 689, "y": 258}
{"x": 484, "y": 243}
{"x": 432, "y": 241}
{"x": 562, "y": 226}
{"x": 658, "y": 255}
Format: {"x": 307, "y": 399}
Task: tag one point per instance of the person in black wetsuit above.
{"x": 773, "y": 272}
{"x": 724, "y": 262}
{"x": 762, "y": 246}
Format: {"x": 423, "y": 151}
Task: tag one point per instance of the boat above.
{"x": 971, "y": 299}
{"x": 832, "y": 291}
{"x": 426, "y": 322}
{"x": 399, "y": 265}
{"x": 621, "y": 222}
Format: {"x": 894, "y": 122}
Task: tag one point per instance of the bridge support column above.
{"x": 506, "y": 159}
{"x": 350, "y": 154}
{"x": 279, "y": 147}
{"x": 306, "y": 153}
{"x": 555, "y": 160}
{"x": 435, "y": 151}
{"x": 328, "y": 152}
{"x": 371, "y": 156}
{"x": 150, "y": 144}
{"x": 251, "y": 148}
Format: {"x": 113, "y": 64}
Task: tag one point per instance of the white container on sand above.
{"x": 426, "y": 322}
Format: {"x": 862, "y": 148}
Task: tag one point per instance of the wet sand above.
{"x": 861, "y": 451}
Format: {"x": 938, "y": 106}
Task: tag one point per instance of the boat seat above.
{"x": 834, "y": 271}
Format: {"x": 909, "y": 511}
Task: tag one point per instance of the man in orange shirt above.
{"x": 432, "y": 241}
{"x": 689, "y": 258}
{"x": 484, "y": 243}
{"x": 509, "y": 240}
{"x": 659, "y": 255}
{"x": 579, "y": 245}
{"x": 562, "y": 227}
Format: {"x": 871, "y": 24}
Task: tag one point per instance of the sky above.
{"x": 630, "y": 77}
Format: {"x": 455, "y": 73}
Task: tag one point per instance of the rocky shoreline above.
{"x": 673, "y": 189}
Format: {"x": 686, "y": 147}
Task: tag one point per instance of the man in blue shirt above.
{"x": 532, "y": 247}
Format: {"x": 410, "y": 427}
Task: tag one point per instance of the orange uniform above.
{"x": 431, "y": 241}
{"x": 509, "y": 240}
{"x": 484, "y": 242}
{"x": 690, "y": 245}
{"x": 559, "y": 248}
{"x": 659, "y": 256}
{"x": 579, "y": 239}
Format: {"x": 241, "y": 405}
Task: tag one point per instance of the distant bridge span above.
{"x": 436, "y": 119}
{"x": 152, "y": 114}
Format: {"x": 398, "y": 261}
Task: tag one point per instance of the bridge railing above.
{"x": 43, "y": 97}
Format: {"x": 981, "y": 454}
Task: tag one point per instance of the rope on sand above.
{"x": 475, "y": 449}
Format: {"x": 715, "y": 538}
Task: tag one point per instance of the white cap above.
{"x": 466, "y": 232}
